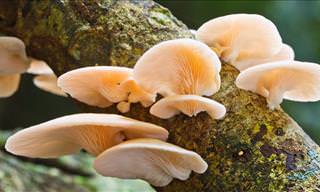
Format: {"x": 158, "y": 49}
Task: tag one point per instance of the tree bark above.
{"x": 251, "y": 149}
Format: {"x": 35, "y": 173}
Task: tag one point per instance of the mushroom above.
{"x": 13, "y": 62}
{"x": 292, "y": 80}
{"x": 286, "y": 53}
{"x": 45, "y": 79}
{"x": 97, "y": 86}
{"x": 190, "y": 105}
{"x": 155, "y": 161}
{"x": 181, "y": 66}
{"x": 68, "y": 134}
{"x": 189, "y": 67}
{"x": 13, "y": 56}
{"x": 240, "y": 38}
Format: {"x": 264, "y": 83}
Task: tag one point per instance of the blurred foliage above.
{"x": 297, "y": 21}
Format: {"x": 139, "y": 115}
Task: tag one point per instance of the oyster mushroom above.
{"x": 68, "y": 134}
{"x": 292, "y": 80}
{"x": 241, "y": 38}
{"x": 189, "y": 67}
{"x": 97, "y": 86}
{"x": 190, "y": 105}
{"x": 13, "y": 62}
{"x": 45, "y": 78}
{"x": 155, "y": 161}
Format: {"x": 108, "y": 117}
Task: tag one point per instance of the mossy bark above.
{"x": 251, "y": 149}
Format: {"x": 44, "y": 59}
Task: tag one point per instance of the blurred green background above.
{"x": 297, "y": 21}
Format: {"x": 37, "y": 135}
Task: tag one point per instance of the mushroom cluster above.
{"x": 124, "y": 147}
{"x": 183, "y": 72}
{"x": 14, "y": 61}
{"x": 266, "y": 64}
{"x": 188, "y": 71}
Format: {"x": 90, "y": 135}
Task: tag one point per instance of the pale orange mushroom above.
{"x": 13, "y": 62}
{"x": 292, "y": 80}
{"x": 241, "y": 38}
{"x": 67, "y": 135}
{"x": 98, "y": 86}
{"x": 45, "y": 78}
{"x": 190, "y": 105}
{"x": 154, "y": 161}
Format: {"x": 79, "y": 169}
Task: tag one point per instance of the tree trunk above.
{"x": 251, "y": 149}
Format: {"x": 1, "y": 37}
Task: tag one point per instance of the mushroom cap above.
{"x": 48, "y": 83}
{"x": 285, "y": 53}
{"x": 13, "y": 57}
{"x": 239, "y": 37}
{"x": 292, "y": 80}
{"x": 155, "y": 161}
{"x": 38, "y": 67}
{"x": 181, "y": 66}
{"x": 45, "y": 79}
{"x": 97, "y": 86}
{"x": 9, "y": 84}
{"x": 190, "y": 105}
{"x": 68, "y": 134}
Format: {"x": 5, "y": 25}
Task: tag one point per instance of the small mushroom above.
{"x": 190, "y": 105}
{"x": 137, "y": 94}
{"x": 292, "y": 80}
{"x": 97, "y": 86}
{"x": 155, "y": 161}
{"x": 123, "y": 106}
{"x": 13, "y": 57}
{"x": 181, "y": 66}
{"x": 45, "y": 78}
{"x": 13, "y": 62}
{"x": 240, "y": 38}
{"x": 92, "y": 132}
{"x": 9, "y": 84}
{"x": 189, "y": 67}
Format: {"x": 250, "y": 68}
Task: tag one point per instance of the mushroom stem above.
{"x": 275, "y": 97}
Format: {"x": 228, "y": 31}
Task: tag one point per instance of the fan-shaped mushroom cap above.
{"x": 286, "y": 53}
{"x": 181, "y": 66}
{"x": 38, "y": 67}
{"x": 292, "y": 80}
{"x": 13, "y": 57}
{"x": 152, "y": 160}
{"x": 48, "y": 83}
{"x": 241, "y": 37}
{"x": 9, "y": 84}
{"x": 66, "y": 135}
{"x": 97, "y": 86}
{"x": 190, "y": 105}
{"x": 45, "y": 79}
